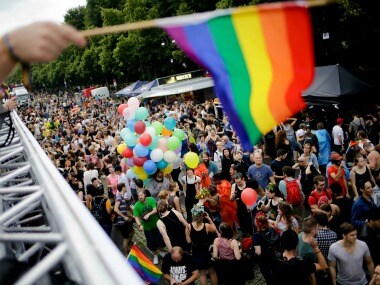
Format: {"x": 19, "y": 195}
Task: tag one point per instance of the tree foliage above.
{"x": 146, "y": 54}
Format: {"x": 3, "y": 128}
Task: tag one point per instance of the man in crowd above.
{"x": 370, "y": 234}
{"x": 178, "y": 267}
{"x": 262, "y": 173}
{"x": 319, "y": 192}
{"x": 278, "y": 164}
{"x": 336, "y": 173}
{"x": 348, "y": 254}
{"x": 338, "y": 137}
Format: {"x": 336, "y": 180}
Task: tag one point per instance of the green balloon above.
{"x": 173, "y": 143}
{"x": 158, "y": 127}
{"x": 179, "y": 134}
{"x": 130, "y": 139}
{"x": 141, "y": 113}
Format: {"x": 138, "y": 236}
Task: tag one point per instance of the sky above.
{"x": 16, "y": 13}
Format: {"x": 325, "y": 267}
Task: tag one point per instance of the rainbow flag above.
{"x": 143, "y": 266}
{"x": 260, "y": 57}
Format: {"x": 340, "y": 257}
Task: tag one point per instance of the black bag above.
{"x": 270, "y": 243}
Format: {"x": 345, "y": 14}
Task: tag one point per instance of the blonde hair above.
{"x": 163, "y": 194}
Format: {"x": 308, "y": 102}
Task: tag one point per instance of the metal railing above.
{"x": 43, "y": 222}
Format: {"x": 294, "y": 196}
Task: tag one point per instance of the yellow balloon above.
{"x": 168, "y": 169}
{"x": 191, "y": 159}
{"x": 121, "y": 147}
{"x": 138, "y": 170}
{"x": 143, "y": 176}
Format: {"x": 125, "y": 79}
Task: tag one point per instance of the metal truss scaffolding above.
{"x": 43, "y": 223}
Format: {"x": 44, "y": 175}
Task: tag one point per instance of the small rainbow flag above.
{"x": 143, "y": 266}
{"x": 260, "y": 57}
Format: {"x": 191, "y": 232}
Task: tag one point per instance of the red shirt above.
{"x": 333, "y": 169}
{"x": 314, "y": 196}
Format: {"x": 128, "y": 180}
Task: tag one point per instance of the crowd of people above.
{"x": 197, "y": 218}
{"x": 316, "y": 219}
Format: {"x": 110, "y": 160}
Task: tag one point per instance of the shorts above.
{"x": 125, "y": 229}
{"x": 154, "y": 239}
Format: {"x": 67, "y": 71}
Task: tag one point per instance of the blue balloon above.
{"x": 140, "y": 150}
{"x": 170, "y": 123}
{"x": 161, "y": 164}
{"x": 131, "y": 125}
{"x": 150, "y": 167}
{"x": 131, "y": 174}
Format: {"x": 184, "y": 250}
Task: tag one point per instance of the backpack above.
{"x": 97, "y": 209}
{"x": 293, "y": 191}
{"x": 270, "y": 243}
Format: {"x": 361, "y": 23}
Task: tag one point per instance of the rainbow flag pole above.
{"x": 143, "y": 265}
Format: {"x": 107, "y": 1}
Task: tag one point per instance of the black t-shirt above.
{"x": 181, "y": 270}
{"x": 307, "y": 179}
{"x": 293, "y": 271}
{"x": 277, "y": 166}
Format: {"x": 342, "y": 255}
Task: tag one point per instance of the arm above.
{"x": 338, "y": 175}
{"x": 332, "y": 268}
{"x": 161, "y": 227}
{"x": 191, "y": 279}
{"x": 353, "y": 181}
{"x": 109, "y": 208}
{"x": 294, "y": 121}
{"x": 147, "y": 216}
{"x": 180, "y": 217}
{"x": 321, "y": 262}
{"x": 176, "y": 205}
{"x": 215, "y": 248}
{"x": 258, "y": 250}
{"x": 233, "y": 196}
{"x": 187, "y": 231}
{"x": 235, "y": 248}
{"x": 370, "y": 265}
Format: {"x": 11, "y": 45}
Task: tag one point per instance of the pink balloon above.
{"x": 128, "y": 113}
{"x": 249, "y": 196}
{"x": 162, "y": 144}
{"x": 133, "y": 103}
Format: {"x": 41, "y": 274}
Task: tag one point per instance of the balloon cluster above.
{"x": 148, "y": 147}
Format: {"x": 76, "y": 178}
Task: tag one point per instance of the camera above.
{"x": 260, "y": 204}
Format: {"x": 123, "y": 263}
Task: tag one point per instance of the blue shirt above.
{"x": 212, "y": 168}
{"x": 360, "y": 211}
{"x": 260, "y": 174}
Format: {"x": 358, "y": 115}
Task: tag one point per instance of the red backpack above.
{"x": 293, "y": 191}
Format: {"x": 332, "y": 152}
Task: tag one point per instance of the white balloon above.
{"x": 151, "y": 131}
{"x": 157, "y": 155}
{"x": 170, "y": 156}
{"x": 177, "y": 163}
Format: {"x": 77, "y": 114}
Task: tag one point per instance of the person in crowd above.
{"x": 172, "y": 226}
{"x": 198, "y": 235}
{"x": 269, "y": 203}
{"x": 173, "y": 199}
{"x": 288, "y": 127}
{"x": 243, "y": 211}
{"x": 264, "y": 241}
{"x": 357, "y": 124}
{"x": 101, "y": 209}
{"x": 227, "y": 254}
{"x": 342, "y": 202}
{"x": 241, "y": 165}
{"x": 335, "y": 173}
{"x": 227, "y": 161}
{"x": 145, "y": 213}
{"x": 211, "y": 141}
{"x": 277, "y": 165}
{"x": 212, "y": 167}
{"x": 259, "y": 171}
{"x": 124, "y": 217}
{"x": 157, "y": 183}
{"x": 112, "y": 180}
{"x": 227, "y": 207}
{"x": 360, "y": 172}
{"x": 376, "y": 276}
{"x": 218, "y": 154}
{"x": 338, "y": 137}
{"x": 212, "y": 205}
{"x": 290, "y": 189}
{"x": 347, "y": 254}
{"x": 90, "y": 173}
{"x": 372, "y": 129}
{"x": 292, "y": 270}
{"x": 190, "y": 184}
{"x": 281, "y": 142}
{"x": 370, "y": 234}
{"x": 309, "y": 155}
{"x": 285, "y": 219}
{"x": 178, "y": 267}
{"x": 362, "y": 205}
{"x": 319, "y": 192}
{"x": 325, "y": 236}
{"x": 324, "y": 142}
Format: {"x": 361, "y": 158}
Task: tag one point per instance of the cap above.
{"x": 335, "y": 156}
{"x": 300, "y": 133}
{"x": 339, "y": 120}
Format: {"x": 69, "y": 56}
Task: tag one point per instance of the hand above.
{"x": 141, "y": 227}
{"x": 11, "y": 104}
{"x": 312, "y": 242}
{"x": 43, "y": 41}
{"x": 126, "y": 218}
{"x": 146, "y": 217}
{"x": 310, "y": 163}
{"x": 172, "y": 281}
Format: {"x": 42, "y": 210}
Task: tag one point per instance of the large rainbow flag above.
{"x": 260, "y": 57}
{"x": 143, "y": 266}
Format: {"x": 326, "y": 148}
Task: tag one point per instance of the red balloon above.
{"x": 139, "y": 161}
{"x": 121, "y": 108}
{"x": 249, "y": 196}
{"x": 145, "y": 139}
{"x": 127, "y": 152}
{"x": 139, "y": 127}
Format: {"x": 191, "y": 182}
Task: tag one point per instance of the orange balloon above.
{"x": 166, "y": 132}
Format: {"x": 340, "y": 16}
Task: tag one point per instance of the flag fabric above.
{"x": 143, "y": 266}
{"x": 260, "y": 57}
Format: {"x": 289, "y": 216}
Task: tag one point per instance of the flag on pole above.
{"x": 260, "y": 57}
{"x": 143, "y": 266}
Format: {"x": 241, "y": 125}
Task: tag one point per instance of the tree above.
{"x": 75, "y": 17}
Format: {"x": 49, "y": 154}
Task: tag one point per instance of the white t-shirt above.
{"x": 336, "y": 132}
{"x": 193, "y": 180}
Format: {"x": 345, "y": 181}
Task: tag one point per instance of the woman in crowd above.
{"x": 227, "y": 254}
{"x": 285, "y": 219}
{"x": 173, "y": 200}
{"x": 269, "y": 204}
{"x": 112, "y": 179}
{"x": 309, "y": 155}
{"x": 190, "y": 184}
{"x": 227, "y": 161}
{"x": 197, "y": 233}
{"x": 281, "y": 142}
{"x": 211, "y": 140}
{"x": 360, "y": 172}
